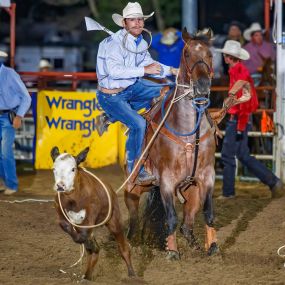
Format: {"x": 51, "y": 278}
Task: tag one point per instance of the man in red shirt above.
{"x": 235, "y": 142}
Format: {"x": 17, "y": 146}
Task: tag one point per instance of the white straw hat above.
{"x": 3, "y": 54}
{"x": 234, "y": 48}
{"x": 44, "y": 63}
{"x": 169, "y": 36}
{"x": 132, "y": 10}
{"x": 254, "y": 27}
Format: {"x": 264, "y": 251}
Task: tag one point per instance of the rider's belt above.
{"x": 110, "y": 91}
{"x": 4, "y": 111}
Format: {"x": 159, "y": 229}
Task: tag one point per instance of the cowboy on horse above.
{"x": 122, "y": 60}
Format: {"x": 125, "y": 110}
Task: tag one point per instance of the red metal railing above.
{"x": 41, "y": 79}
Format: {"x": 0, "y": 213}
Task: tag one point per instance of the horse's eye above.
{"x": 187, "y": 54}
{"x": 73, "y": 169}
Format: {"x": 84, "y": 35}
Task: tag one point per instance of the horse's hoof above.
{"x": 172, "y": 255}
{"x": 213, "y": 249}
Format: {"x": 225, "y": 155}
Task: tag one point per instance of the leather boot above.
{"x": 145, "y": 178}
{"x": 277, "y": 190}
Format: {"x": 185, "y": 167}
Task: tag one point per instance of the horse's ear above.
{"x": 210, "y": 34}
{"x": 82, "y": 156}
{"x": 185, "y": 35}
{"x": 54, "y": 153}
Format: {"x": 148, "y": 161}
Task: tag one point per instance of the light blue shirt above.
{"x": 117, "y": 66}
{"x": 13, "y": 92}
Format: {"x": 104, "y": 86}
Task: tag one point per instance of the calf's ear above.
{"x": 54, "y": 153}
{"x": 82, "y": 156}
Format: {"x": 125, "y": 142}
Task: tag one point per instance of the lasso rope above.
{"x": 141, "y": 51}
{"x": 281, "y": 255}
{"x": 82, "y": 251}
{"x": 109, "y": 209}
{"x": 26, "y": 200}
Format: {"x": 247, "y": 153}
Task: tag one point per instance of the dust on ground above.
{"x": 34, "y": 248}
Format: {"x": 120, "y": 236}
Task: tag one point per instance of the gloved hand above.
{"x": 239, "y": 136}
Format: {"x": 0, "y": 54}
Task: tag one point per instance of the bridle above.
{"x": 192, "y": 87}
{"x": 200, "y": 104}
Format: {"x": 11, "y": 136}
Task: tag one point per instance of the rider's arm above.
{"x": 165, "y": 69}
{"x": 116, "y": 65}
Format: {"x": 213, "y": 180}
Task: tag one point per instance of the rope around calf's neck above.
{"x": 109, "y": 209}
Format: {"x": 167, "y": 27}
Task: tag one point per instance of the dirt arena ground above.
{"x": 250, "y": 230}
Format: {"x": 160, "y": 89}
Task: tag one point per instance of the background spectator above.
{"x": 168, "y": 46}
{"x": 44, "y": 65}
{"x": 259, "y": 51}
{"x": 15, "y": 101}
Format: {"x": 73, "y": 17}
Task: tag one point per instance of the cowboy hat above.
{"x": 3, "y": 54}
{"x": 132, "y": 10}
{"x": 44, "y": 63}
{"x": 169, "y": 36}
{"x": 234, "y": 49}
{"x": 254, "y": 27}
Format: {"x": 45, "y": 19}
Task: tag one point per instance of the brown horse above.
{"x": 183, "y": 160}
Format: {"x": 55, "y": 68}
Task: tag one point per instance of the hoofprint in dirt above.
{"x": 250, "y": 230}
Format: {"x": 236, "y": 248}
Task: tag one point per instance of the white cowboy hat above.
{"x": 132, "y": 10}
{"x": 254, "y": 27}
{"x": 44, "y": 63}
{"x": 234, "y": 48}
{"x": 3, "y": 54}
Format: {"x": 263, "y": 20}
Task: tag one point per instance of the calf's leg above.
{"x": 115, "y": 228}
{"x": 92, "y": 249}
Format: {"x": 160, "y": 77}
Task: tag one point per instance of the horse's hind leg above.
{"x": 211, "y": 238}
{"x": 190, "y": 209}
{"x": 132, "y": 200}
{"x": 92, "y": 249}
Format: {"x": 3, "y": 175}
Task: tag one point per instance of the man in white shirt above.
{"x": 122, "y": 61}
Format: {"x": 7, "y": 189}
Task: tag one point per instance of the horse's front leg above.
{"x": 171, "y": 219}
{"x": 132, "y": 200}
{"x": 190, "y": 209}
{"x": 210, "y": 238}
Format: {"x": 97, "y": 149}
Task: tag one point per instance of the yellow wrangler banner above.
{"x": 67, "y": 120}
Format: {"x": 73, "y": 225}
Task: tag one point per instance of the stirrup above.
{"x": 145, "y": 178}
{"x": 102, "y": 124}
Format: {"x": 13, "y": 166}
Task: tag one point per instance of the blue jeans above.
{"x": 7, "y": 160}
{"x": 232, "y": 148}
{"x": 123, "y": 107}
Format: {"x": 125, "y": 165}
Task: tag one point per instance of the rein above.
{"x": 200, "y": 104}
{"x": 197, "y": 104}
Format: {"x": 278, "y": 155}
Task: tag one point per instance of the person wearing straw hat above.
{"x": 44, "y": 65}
{"x": 169, "y": 46}
{"x": 235, "y": 143}
{"x": 258, "y": 49}
{"x": 15, "y": 101}
{"x": 122, "y": 60}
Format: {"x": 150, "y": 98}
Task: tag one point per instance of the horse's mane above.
{"x": 202, "y": 38}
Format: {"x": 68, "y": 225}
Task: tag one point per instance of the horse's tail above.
{"x": 154, "y": 229}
